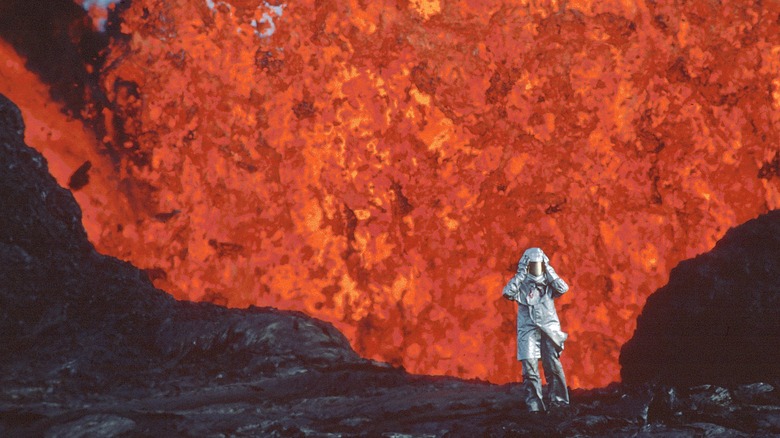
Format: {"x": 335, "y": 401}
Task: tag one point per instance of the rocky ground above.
{"x": 88, "y": 347}
{"x": 380, "y": 402}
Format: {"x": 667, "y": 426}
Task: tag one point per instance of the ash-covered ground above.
{"x": 88, "y": 347}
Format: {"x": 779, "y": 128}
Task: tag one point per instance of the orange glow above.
{"x": 63, "y": 141}
{"x": 382, "y": 165}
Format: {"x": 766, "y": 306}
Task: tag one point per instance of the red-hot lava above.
{"x": 382, "y": 165}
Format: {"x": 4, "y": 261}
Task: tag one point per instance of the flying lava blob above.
{"x": 383, "y": 165}
{"x": 71, "y": 150}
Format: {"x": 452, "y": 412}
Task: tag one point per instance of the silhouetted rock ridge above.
{"x": 66, "y": 310}
{"x": 717, "y": 321}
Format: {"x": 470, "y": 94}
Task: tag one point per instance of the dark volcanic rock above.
{"x": 66, "y": 310}
{"x": 88, "y": 347}
{"x": 717, "y": 321}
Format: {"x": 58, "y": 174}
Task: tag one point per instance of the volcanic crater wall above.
{"x": 718, "y": 318}
{"x": 88, "y": 347}
{"x": 382, "y": 165}
{"x": 76, "y": 321}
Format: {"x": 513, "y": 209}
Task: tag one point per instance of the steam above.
{"x": 267, "y": 18}
{"x": 99, "y": 3}
{"x": 100, "y": 23}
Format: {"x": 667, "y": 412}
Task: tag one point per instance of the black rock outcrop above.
{"x": 717, "y": 321}
{"x": 66, "y": 310}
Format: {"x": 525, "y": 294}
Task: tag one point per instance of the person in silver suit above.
{"x": 539, "y": 334}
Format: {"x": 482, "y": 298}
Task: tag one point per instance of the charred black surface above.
{"x": 80, "y": 177}
{"x": 717, "y": 321}
{"x": 88, "y": 347}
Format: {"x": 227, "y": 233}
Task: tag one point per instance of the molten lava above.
{"x": 64, "y": 141}
{"x": 382, "y": 165}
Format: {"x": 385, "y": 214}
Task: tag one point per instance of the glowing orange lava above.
{"x": 382, "y": 165}
{"x": 64, "y": 142}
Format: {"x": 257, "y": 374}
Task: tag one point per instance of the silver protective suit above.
{"x": 539, "y": 334}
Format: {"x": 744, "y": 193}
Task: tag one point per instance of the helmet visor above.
{"x": 535, "y": 268}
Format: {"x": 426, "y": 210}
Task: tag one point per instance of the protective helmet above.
{"x": 535, "y": 260}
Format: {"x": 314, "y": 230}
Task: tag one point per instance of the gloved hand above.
{"x": 550, "y": 273}
{"x": 513, "y": 287}
{"x": 522, "y": 265}
{"x": 558, "y": 285}
{"x": 508, "y": 293}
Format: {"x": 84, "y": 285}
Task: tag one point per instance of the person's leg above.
{"x": 553, "y": 373}
{"x": 532, "y": 385}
